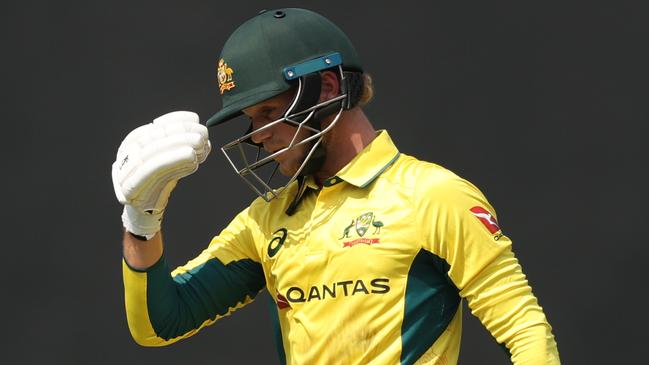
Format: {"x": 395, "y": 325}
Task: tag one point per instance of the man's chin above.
{"x": 287, "y": 171}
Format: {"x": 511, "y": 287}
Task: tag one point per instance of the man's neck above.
{"x": 351, "y": 134}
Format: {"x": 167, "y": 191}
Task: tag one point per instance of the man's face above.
{"x": 279, "y": 135}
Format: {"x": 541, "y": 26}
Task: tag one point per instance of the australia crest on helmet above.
{"x": 224, "y": 76}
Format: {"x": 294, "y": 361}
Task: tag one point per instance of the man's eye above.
{"x": 268, "y": 113}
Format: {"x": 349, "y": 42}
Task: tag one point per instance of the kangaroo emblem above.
{"x": 346, "y": 231}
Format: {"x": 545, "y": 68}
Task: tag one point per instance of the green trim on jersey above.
{"x": 430, "y": 304}
{"x": 204, "y": 292}
{"x": 371, "y": 179}
{"x": 277, "y": 330}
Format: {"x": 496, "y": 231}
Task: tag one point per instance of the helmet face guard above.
{"x": 305, "y": 113}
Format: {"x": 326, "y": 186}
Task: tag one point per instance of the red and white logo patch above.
{"x": 486, "y": 218}
{"x": 282, "y": 302}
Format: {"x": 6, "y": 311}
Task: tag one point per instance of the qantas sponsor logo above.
{"x": 344, "y": 288}
{"x": 486, "y": 218}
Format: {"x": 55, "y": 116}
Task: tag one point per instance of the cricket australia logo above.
{"x": 361, "y": 225}
{"x": 224, "y": 76}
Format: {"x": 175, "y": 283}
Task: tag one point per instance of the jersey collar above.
{"x": 368, "y": 164}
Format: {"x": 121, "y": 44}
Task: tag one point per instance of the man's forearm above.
{"x": 140, "y": 254}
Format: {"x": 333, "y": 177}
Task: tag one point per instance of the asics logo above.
{"x": 276, "y": 243}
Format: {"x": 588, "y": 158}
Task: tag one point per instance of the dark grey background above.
{"x": 542, "y": 105}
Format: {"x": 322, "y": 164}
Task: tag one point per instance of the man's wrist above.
{"x": 138, "y": 237}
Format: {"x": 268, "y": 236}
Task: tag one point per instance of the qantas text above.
{"x": 341, "y": 288}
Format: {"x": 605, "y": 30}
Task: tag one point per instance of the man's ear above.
{"x": 330, "y": 86}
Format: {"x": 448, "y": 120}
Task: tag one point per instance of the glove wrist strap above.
{"x": 140, "y": 223}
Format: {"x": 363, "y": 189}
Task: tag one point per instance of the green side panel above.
{"x": 274, "y": 319}
{"x": 506, "y": 351}
{"x": 430, "y": 304}
{"x": 180, "y": 304}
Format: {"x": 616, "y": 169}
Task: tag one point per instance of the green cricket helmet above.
{"x": 272, "y": 53}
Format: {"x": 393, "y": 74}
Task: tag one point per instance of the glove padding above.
{"x": 150, "y": 161}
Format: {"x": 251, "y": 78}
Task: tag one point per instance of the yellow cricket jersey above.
{"x": 370, "y": 268}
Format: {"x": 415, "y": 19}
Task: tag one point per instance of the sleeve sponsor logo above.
{"x": 487, "y": 219}
{"x": 282, "y": 303}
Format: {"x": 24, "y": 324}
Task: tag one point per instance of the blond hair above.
{"x": 368, "y": 91}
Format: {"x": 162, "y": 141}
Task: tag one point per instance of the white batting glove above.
{"x": 150, "y": 161}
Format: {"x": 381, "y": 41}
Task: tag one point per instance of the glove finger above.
{"x": 117, "y": 186}
{"x": 134, "y": 137}
{"x": 181, "y": 122}
{"x": 206, "y": 147}
{"x": 157, "y": 166}
{"x": 176, "y": 118}
{"x": 151, "y": 194}
{"x": 162, "y": 177}
{"x": 193, "y": 140}
{"x": 165, "y": 126}
{"x": 142, "y": 186}
{"x": 163, "y": 196}
{"x": 135, "y": 155}
{"x": 129, "y": 164}
{"x": 136, "y": 158}
{"x": 197, "y": 128}
{"x": 201, "y": 155}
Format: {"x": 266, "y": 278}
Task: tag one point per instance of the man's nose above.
{"x": 259, "y": 136}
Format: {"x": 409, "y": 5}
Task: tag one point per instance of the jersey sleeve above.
{"x": 164, "y": 306}
{"x": 460, "y": 226}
